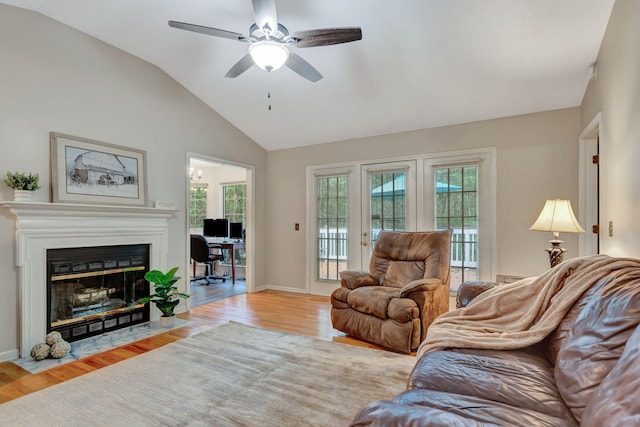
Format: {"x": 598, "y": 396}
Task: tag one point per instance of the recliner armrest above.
{"x": 353, "y": 279}
{"x": 420, "y": 285}
{"x": 469, "y": 290}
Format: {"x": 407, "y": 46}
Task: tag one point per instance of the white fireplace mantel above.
{"x": 42, "y": 226}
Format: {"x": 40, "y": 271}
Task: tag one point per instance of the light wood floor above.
{"x": 288, "y": 312}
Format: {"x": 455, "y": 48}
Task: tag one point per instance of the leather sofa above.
{"x": 585, "y": 371}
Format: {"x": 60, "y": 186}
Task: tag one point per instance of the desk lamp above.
{"x": 557, "y": 216}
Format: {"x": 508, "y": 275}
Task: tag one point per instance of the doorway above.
{"x": 220, "y": 190}
{"x": 589, "y": 188}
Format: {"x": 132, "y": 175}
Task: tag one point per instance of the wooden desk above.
{"x": 231, "y": 247}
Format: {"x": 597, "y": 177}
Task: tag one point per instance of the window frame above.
{"x": 485, "y": 160}
{"x": 223, "y": 191}
{"x": 204, "y": 186}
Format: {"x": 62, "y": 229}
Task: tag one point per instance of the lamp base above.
{"x": 556, "y": 253}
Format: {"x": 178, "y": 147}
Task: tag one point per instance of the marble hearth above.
{"x": 42, "y": 226}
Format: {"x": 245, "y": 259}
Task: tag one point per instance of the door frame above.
{"x": 315, "y": 286}
{"x": 588, "y": 189}
{"x": 249, "y": 226}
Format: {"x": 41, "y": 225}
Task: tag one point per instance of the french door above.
{"x": 348, "y": 206}
{"x": 388, "y": 200}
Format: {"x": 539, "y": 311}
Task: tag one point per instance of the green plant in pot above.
{"x": 23, "y": 184}
{"x": 165, "y": 296}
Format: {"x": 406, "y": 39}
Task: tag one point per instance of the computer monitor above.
{"x": 216, "y": 227}
{"x": 236, "y": 231}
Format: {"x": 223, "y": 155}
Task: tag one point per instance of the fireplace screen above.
{"x": 95, "y": 290}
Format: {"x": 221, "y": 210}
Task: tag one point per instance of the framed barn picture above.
{"x": 94, "y": 172}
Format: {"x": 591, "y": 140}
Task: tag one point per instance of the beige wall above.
{"x": 54, "y": 78}
{"x": 537, "y": 158}
{"x": 616, "y": 93}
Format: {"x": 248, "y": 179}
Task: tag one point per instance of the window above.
{"x": 235, "y": 210}
{"x": 332, "y": 218}
{"x": 235, "y": 202}
{"x": 456, "y": 206}
{"x": 197, "y": 205}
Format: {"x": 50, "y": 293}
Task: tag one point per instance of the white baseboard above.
{"x": 280, "y": 288}
{"x": 9, "y": 355}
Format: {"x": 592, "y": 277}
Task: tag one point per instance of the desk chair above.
{"x": 204, "y": 253}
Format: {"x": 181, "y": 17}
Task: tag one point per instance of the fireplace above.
{"x": 95, "y": 290}
{"x": 45, "y": 228}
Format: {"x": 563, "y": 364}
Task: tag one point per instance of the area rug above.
{"x": 232, "y": 375}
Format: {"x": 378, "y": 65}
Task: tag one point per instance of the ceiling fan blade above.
{"x": 327, "y": 36}
{"x": 207, "y": 30}
{"x": 240, "y": 67}
{"x": 302, "y": 67}
{"x": 264, "y": 11}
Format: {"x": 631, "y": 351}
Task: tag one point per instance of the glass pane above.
{"x": 442, "y": 204}
{"x": 470, "y": 205}
{"x": 456, "y": 208}
{"x": 235, "y": 202}
{"x": 442, "y": 223}
{"x": 332, "y": 214}
{"x": 455, "y": 179}
{"x": 197, "y": 206}
{"x": 387, "y": 202}
{"x": 470, "y": 178}
{"x": 442, "y": 178}
{"x": 455, "y": 204}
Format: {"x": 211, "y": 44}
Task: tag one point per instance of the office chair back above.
{"x": 199, "y": 248}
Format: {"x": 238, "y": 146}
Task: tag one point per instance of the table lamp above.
{"x": 557, "y": 216}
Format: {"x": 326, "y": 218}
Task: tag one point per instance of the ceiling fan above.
{"x": 269, "y": 42}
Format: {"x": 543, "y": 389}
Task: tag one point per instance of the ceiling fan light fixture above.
{"x": 269, "y": 55}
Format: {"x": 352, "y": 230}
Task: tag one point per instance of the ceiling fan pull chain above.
{"x": 269, "y": 89}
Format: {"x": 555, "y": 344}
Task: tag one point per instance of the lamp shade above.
{"x": 269, "y": 55}
{"x": 557, "y": 216}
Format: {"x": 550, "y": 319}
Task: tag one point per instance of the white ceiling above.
{"x": 420, "y": 63}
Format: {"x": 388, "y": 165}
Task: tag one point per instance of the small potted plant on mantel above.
{"x": 23, "y": 185}
{"x": 165, "y": 297}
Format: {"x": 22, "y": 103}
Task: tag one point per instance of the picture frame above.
{"x": 94, "y": 172}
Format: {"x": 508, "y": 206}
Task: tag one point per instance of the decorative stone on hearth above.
{"x": 54, "y": 347}
{"x": 60, "y": 349}
{"x": 40, "y": 351}
{"x": 53, "y": 337}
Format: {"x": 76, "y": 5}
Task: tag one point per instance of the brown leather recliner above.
{"x": 406, "y": 289}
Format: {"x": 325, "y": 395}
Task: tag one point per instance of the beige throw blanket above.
{"x": 523, "y": 313}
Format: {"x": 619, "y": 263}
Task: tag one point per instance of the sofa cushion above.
{"x": 372, "y": 299}
{"x": 432, "y": 408}
{"x": 597, "y": 339}
{"x": 518, "y": 378}
{"x": 616, "y": 401}
{"x": 482, "y": 409}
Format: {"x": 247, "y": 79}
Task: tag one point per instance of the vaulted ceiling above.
{"x": 420, "y": 63}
